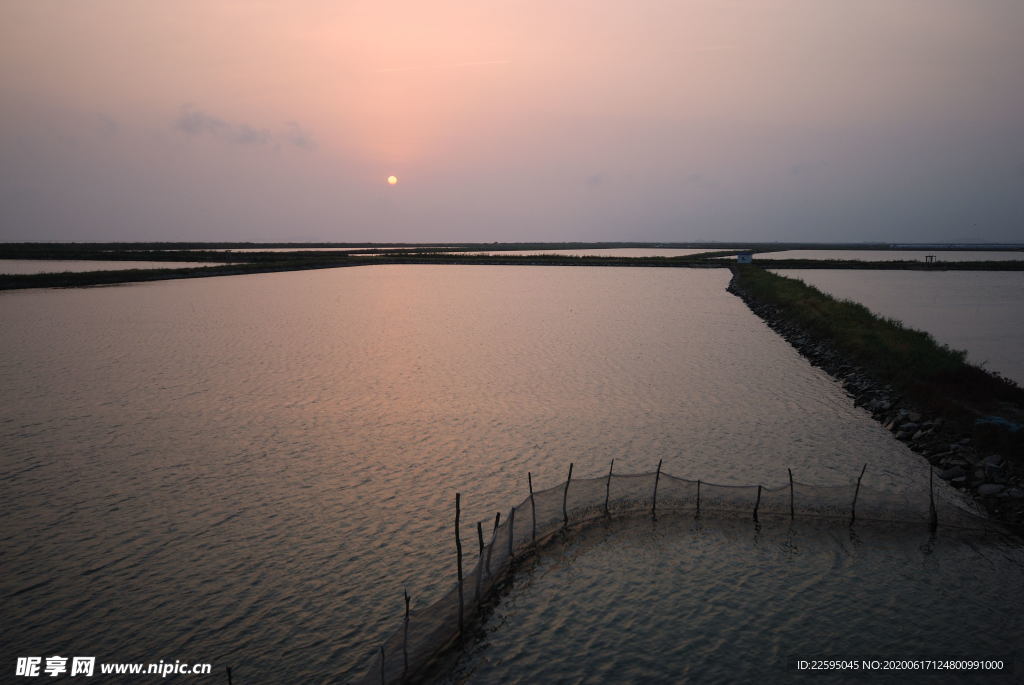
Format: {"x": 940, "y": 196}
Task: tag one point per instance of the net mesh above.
{"x": 429, "y": 632}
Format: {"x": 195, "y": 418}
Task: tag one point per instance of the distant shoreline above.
{"x": 305, "y": 257}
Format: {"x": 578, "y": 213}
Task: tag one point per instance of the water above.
{"x": 896, "y": 255}
{"x": 602, "y": 252}
{"x": 591, "y": 252}
{"x": 304, "y": 249}
{"x": 249, "y": 470}
{"x": 725, "y": 601}
{"x": 981, "y": 312}
{"x": 43, "y": 266}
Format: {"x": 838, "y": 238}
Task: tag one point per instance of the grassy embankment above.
{"x": 925, "y": 372}
{"x": 240, "y": 263}
{"x": 264, "y": 262}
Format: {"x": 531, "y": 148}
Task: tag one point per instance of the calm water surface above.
{"x": 896, "y": 255}
{"x": 981, "y": 312}
{"x": 249, "y": 470}
{"x": 604, "y": 252}
{"x": 724, "y": 602}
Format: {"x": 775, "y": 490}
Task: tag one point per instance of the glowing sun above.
{"x": 392, "y": 180}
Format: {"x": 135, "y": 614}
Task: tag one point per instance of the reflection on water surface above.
{"x": 250, "y": 469}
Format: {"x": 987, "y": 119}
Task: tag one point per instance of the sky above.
{"x": 525, "y": 120}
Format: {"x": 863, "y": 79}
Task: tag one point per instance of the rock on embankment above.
{"x": 967, "y": 460}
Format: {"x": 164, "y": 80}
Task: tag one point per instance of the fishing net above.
{"x": 424, "y": 634}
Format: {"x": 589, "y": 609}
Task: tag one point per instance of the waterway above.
{"x": 250, "y": 470}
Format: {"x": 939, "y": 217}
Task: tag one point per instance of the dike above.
{"x": 976, "y": 444}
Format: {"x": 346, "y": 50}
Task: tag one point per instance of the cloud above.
{"x": 297, "y": 136}
{"x": 195, "y": 122}
{"x": 106, "y": 125}
{"x": 713, "y": 48}
{"x": 453, "y": 65}
{"x": 701, "y": 181}
{"x": 806, "y": 168}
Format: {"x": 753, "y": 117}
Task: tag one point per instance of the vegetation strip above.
{"x": 964, "y": 420}
{"x": 229, "y": 261}
{"x": 894, "y": 265}
{"x": 92, "y": 278}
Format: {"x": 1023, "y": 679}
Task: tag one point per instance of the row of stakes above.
{"x": 933, "y": 525}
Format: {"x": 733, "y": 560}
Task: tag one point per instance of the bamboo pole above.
{"x": 458, "y": 553}
{"x": 697, "y": 515}
{"x": 853, "y": 507}
{"x": 757, "y": 504}
{"x": 383, "y": 681}
{"x": 654, "y": 499}
{"x": 608, "y": 488}
{"x": 533, "y": 507}
{"x": 792, "y": 511}
{"x": 565, "y": 496}
{"x": 229, "y": 675}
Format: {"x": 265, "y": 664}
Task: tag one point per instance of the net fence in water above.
{"x": 427, "y": 633}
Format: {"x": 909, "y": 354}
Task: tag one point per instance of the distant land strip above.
{"x": 229, "y": 259}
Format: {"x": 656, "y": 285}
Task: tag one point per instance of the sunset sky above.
{"x": 675, "y": 120}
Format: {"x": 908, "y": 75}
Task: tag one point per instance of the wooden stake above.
{"x": 654, "y": 499}
{"x": 479, "y": 563}
{"x": 458, "y": 553}
{"x": 382, "y": 680}
{"x": 697, "y": 515}
{"x": 229, "y": 675}
{"x": 533, "y": 506}
{"x": 608, "y": 488}
{"x": 792, "y": 512}
{"x": 853, "y": 507}
{"x": 757, "y": 504}
{"x": 565, "y": 496}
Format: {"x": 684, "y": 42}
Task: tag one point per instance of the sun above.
{"x": 392, "y": 180}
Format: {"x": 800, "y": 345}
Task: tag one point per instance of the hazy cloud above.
{"x": 806, "y": 168}
{"x": 701, "y": 181}
{"x": 297, "y": 136}
{"x": 195, "y": 122}
{"x": 107, "y": 125}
